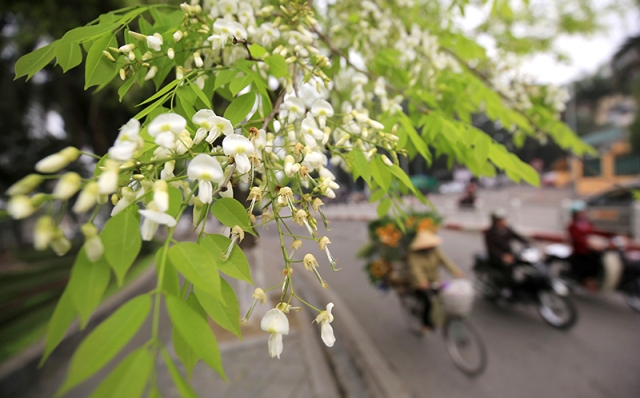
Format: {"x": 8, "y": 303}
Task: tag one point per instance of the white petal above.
{"x": 321, "y": 107}
{"x": 326, "y": 332}
{"x": 166, "y": 139}
{"x": 243, "y": 163}
{"x": 123, "y": 151}
{"x": 205, "y": 167}
{"x": 205, "y": 191}
{"x": 122, "y": 203}
{"x": 201, "y": 118}
{"x": 148, "y": 229}
{"x": 167, "y": 122}
{"x": 158, "y": 217}
{"x": 329, "y": 307}
{"x": 228, "y": 193}
{"x": 237, "y": 144}
{"x": 275, "y": 345}
{"x": 275, "y": 321}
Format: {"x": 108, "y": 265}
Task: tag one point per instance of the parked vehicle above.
{"x": 532, "y": 285}
{"x": 617, "y": 274}
{"x": 612, "y": 211}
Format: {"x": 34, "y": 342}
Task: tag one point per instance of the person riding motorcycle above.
{"x": 586, "y": 259}
{"x": 498, "y": 239}
{"x": 424, "y": 261}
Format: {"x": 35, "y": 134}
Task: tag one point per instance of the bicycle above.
{"x": 462, "y": 340}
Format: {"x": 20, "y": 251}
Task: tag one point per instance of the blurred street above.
{"x": 527, "y": 358}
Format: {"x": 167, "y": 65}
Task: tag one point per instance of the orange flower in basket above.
{"x": 410, "y": 222}
{"x": 379, "y": 268}
{"x": 389, "y": 235}
{"x": 425, "y": 224}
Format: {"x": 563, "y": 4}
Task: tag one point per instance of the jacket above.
{"x": 425, "y": 266}
{"x": 498, "y": 242}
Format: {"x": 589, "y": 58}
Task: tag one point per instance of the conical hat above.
{"x": 425, "y": 240}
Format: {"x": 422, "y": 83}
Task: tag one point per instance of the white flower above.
{"x": 292, "y": 108}
{"x": 152, "y": 220}
{"x": 161, "y": 195}
{"x": 201, "y": 118}
{"x": 268, "y": 34}
{"x": 239, "y": 147}
{"x": 206, "y": 169}
{"x": 67, "y": 186}
{"x": 322, "y": 110}
{"x": 155, "y": 41}
{"x": 151, "y": 73}
{"x": 108, "y": 180}
{"x": 311, "y": 132}
{"x": 165, "y": 128}
{"x": 226, "y": 28}
{"x": 219, "y": 126}
{"x": 184, "y": 142}
{"x": 314, "y": 160}
{"x": 276, "y": 323}
{"x": 60, "y": 244}
{"x": 326, "y": 331}
{"x": 177, "y": 35}
{"x": 57, "y": 161}
{"x": 127, "y": 143}
{"x": 290, "y": 166}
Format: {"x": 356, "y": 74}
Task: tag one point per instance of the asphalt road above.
{"x": 599, "y": 357}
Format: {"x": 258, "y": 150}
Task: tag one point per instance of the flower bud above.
{"x": 171, "y": 53}
{"x": 197, "y": 60}
{"x": 260, "y": 295}
{"x": 93, "y": 244}
{"x": 60, "y": 244}
{"x": 87, "y": 198}
{"x": 67, "y": 186}
{"x": 161, "y": 195}
{"x": 177, "y": 35}
{"x": 25, "y": 185}
{"x": 198, "y": 208}
{"x": 20, "y": 206}
{"x": 123, "y": 74}
{"x": 127, "y": 48}
{"x": 57, "y": 161}
{"x": 108, "y": 180}
{"x": 43, "y": 233}
{"x": 108, "y": 56}
{"x": 296, "y": 244}
{"x": 138, "y": 36}
{"x": 151, "y": 73}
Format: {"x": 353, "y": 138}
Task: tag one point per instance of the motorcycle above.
{"x": 532, "y": 284}
{"x": 616, "y": 274}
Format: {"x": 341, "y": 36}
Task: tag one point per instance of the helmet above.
{"x": 578, "y": 205}
{"x": 498, "y": 214}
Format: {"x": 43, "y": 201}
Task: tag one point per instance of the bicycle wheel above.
{"x": 411, "y": 310}
{"x": 465, "y": 346}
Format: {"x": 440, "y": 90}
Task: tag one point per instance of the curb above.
{"x": 381, "y": 380}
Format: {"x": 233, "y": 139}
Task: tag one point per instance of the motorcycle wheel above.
{"x": 485, "y": 285}
{"x": 632, "y": 296}
{"x": 558, "y": 311}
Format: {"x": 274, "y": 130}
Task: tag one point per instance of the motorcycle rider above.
{"x": 424, "y": 261}
{"x": 498, "y": 239}
{"x": 586, "y": 259}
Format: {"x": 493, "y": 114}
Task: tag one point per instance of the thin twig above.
{"x": 275, "y": 110}
{"x": 226, "y": 180}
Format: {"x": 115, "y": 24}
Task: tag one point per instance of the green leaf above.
{"x": 98, "y": 68}
{"x": 380, "y": 173}
{"x": 257, "y": 51}
{"x": 122, "y": 242}
{"x": 198, "y": 266}
{"x": 129, "y": 378}
{"x": 236, "y": 265}
{"x": 60, "y": 320}
{"x": 187, "y": 356}
{"x": 383, "y": 207}
{"x": 30, "y": 64}
{"x": 196, "y": 332}
{"x": 361, "y": 164}
{"x": 85, "y": 33}
{"x": 377, "y": 195}
{"x": 170, "y": 281}
{"x": 201, "y": 95}
{"x": 230, "y": 212}
{"x": 165, "y": 90}
{"x": 122, "y": 91}
{"x": 184, "y": 388}
{"x": 227, "y": 316}
{"x": 415, "y": 138}
{"x": 175, "y": 201}
{"x": 68, "y": 55}
{"x": 239, "y": 84}
{"x": 238, "y": 110}
{"x": 224, "y": 77}
{"x": 87, "y": 284}
{"x": 106, "y": 340}
{"x": 402, "y": 176}
{"x": 277, "y": 65}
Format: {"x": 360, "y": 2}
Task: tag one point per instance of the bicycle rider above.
{"x": 424, "y": 261}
